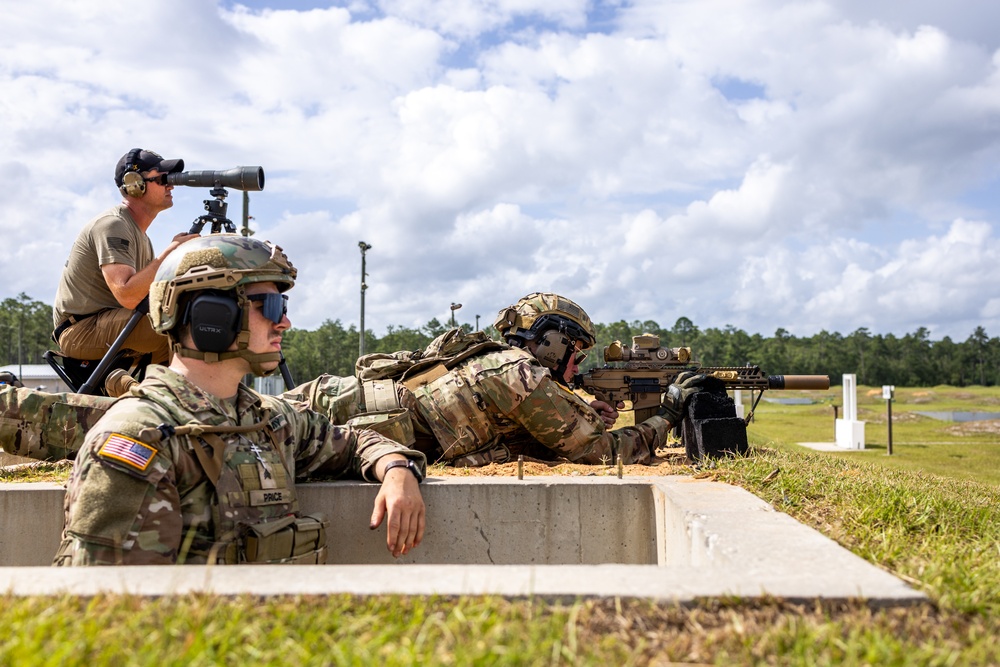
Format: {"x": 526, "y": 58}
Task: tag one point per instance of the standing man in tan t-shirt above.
{"x": 112, "y": 264}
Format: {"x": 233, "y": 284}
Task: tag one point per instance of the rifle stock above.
{"x": 640, "y": 375}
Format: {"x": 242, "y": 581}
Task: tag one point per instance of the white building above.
{"x": 37, "y": 376}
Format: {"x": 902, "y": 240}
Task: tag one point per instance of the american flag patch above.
{"x": 116, "y": 243}
{"x": 130, "y": 452}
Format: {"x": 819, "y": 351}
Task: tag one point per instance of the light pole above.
{"x": 454, "y": 307}
{"x": 361, "y": 344}
{"x": 477, "y": 322}
{"x": 246, "y": 231}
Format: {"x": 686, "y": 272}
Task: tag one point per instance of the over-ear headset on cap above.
{"x": 133, "y": 184}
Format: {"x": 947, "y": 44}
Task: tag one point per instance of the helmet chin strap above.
{"x": 255, "y": 359}
{"x": 560, "y": 371}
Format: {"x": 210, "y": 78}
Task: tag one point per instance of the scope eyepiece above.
{"x": 240, "y": 178}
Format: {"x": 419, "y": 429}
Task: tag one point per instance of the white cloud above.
{"x": 762, "y": 163}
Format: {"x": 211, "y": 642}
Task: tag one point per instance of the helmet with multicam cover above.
{"x": 558, "y": 326}
{"x": 202, "y": 283}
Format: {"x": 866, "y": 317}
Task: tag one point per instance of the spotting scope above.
{"x": 241, "y": 178}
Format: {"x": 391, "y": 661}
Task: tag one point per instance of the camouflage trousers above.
{"x": 45, "y": 426}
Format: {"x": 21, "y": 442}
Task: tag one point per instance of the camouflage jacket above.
{"x": 133, "y": 500}
{"x": 494, "y": 406}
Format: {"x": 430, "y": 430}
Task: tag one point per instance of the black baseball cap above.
{"x": 139, "y": 159}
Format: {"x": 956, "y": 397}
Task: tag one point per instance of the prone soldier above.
{"x": 495, "y": 401}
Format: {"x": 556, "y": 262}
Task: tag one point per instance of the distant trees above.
{"x": 910, "y": 361}
{"x": 25, "y": 330}
{"x": 913, "y": 360}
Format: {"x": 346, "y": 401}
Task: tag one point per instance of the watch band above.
{"x": 408, "y": 464}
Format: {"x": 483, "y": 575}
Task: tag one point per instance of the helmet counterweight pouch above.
{"x": 215, "y": 319}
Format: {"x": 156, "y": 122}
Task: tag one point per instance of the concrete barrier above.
{"x": 671, "y": 538}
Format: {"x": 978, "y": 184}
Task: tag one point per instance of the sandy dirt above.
{"x": 669, "y": 461}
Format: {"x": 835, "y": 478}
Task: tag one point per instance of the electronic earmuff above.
{"x": 554, "y": 349}
{"x": 133, "y": 184}
{"x": 215, "y": 318}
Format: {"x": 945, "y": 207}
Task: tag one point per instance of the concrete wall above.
{"x": 666, "y": 538}
{"x": 470, "y": 521}
{"x": 31, "y": 518}
{"x": 500, "y": 521}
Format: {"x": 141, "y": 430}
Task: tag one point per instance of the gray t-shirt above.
{"x": 110, "y": 238}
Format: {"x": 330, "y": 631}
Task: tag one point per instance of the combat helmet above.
{"x": 203, "y": 283}
{"x": 557, "y": 324}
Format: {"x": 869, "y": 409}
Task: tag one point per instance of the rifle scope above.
{"x": 241, "y": 178}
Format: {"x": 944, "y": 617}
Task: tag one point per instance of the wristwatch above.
{"x": 408, "y": 464}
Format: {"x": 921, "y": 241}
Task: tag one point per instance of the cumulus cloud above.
{"x": 760, "y": 163}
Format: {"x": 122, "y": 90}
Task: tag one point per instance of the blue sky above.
{"x": 822, "y": 165}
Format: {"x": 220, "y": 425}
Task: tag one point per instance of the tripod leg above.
{"x": 109, "y": 356}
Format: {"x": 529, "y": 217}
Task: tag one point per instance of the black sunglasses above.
{"x": 161, "y": 179}
{"x": 275, "y": 305}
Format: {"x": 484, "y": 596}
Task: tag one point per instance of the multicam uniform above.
{"x": 167, "y": 509}
{"x": 46, "y": 426}
{"x": 494, "y": 406}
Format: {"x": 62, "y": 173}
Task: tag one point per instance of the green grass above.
{"x": 924, "y": 514}
{"x": 968, "y": 451}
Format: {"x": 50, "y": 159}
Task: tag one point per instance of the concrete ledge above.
{"x": 666, "y": 538}
{"x": 11, "y": 459}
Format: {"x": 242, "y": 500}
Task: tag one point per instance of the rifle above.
{"x": 641, "y": 373}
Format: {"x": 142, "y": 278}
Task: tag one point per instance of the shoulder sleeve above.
{"x": 115, "y": 241}
{"x": 122, "y": 502}
{"x": 335, "y": 397}
{"x": 321, "y": 448}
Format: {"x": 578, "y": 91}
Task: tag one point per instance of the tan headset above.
{"x": 133, "y": 184}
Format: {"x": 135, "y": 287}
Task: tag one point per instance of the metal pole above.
{"x": 454, "y": 307}
{"x": 246, "y": 213}
{"x": 888, "y": 408}
{"x": 477, "y": 322}
{"x": 20, "y": 335}
{"x": 361, "y": 338}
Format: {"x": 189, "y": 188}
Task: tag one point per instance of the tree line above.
{"x": 912, "y": 360}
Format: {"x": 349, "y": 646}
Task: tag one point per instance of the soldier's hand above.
{"x": 678, "y": 394}
{"x": 608, "y": 412}
{"x": 179, "y": 239}
{"x": 399, "y": 499}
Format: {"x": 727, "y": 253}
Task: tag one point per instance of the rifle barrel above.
{"x": 798, "y": 381}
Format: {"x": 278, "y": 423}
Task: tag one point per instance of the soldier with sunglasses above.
{"x": 112, "y": 264}
{"x": 192, "y": 466}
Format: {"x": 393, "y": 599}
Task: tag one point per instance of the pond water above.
{"x": 789, "y": 401}
{"x": 960, "y": 416}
